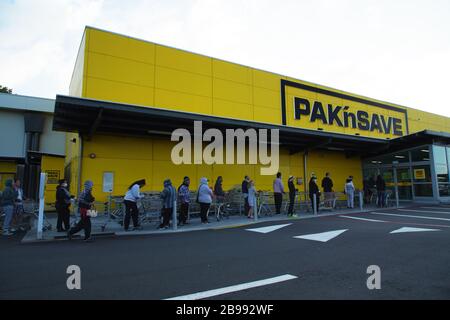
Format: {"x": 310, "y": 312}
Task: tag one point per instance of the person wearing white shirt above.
{"x": 350, "y": 192}
{"x": 131, "y": 210}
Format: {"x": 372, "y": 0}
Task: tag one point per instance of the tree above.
{"x": 5, "y": 89}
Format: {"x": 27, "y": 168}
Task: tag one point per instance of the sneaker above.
{"x": 13, "y": 230}
{"x": 166, "y": 227}
{"x": 7, "y": 233}
{"x": 294, "y": 216}
{"x": 89, "y": 240}
{"x": 137, "y": 228}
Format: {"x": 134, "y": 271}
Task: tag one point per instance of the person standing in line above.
{"x": 18, "y": 205}
{"x": 292, "y": 192}
{"x": 252, "y": 200}
{"x": 8, "y": 197}
{"x": 85, "y": 202}
{"x": 218, "y": 190}
{"x": 381, "y": 190}
{"x": 62, "y": 206}
{"x": 204, "y": 198}
{"x": 130, "y": 200}
{"x": 168, "y": 196}
{"x": 278, "y": 191}
{"x": 184, "y": 198}
{"x": 327, "y": 187}
{"x": 245, "y": 193}
{"x": 314, "y": 190}
{"x": 350, "y": 192}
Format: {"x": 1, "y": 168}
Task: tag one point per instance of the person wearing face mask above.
{"x": 62, "y": 206}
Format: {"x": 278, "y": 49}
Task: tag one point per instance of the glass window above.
{"x": 439, "y": 155}
{"x": 423, "y": 190}
{"x": 441, "y": 172}
{"x": 444, "y": 189}
{"x": 420, "y": 154}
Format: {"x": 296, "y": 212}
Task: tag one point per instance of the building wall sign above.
{"x": 311, "y": 107}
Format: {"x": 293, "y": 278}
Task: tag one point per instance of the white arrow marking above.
{"x": 269, "y": 228}
{"x": 409, "y": 229}
{"x": 323, "y": 236}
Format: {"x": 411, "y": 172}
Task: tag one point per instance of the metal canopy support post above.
{"x": 361, "y": 200}
{"x": 41, "y": 205}
{"x": 315, "y": 203}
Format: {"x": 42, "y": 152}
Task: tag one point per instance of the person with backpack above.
{"x": 168, "y": 196}
{"x": 184, "y": 199}
{"x": 204, "y": 198}
{"x": 62, "y": 206}
{"x": 381, "y": 190}
{"x": 130, "y": 200}
{"x": 350, "y": 192}
{"x": 292, "y": 192}
{"x": 8, "y": 197}
{"x": 85, "y": 203}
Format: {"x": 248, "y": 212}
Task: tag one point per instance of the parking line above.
{"x": 239, "y": 287}
{"x": 436, "y": 208}
{"x": 422, "y": 211}
{"x": 363, "y": 219}
{"x": 405, "y": 215}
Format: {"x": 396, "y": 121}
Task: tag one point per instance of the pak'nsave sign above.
{"x": 315, "y": 108}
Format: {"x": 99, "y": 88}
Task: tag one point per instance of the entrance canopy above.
{"x": 88, "y": 117}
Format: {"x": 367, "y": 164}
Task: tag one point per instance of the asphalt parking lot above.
{"x": 320, "y": 258}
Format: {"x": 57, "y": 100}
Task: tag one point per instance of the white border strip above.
{"x": 239, "y": 287}
{"x": 363, "y": 219}
{"x": 405, "y": 215}
{"x": 423, "y": 211}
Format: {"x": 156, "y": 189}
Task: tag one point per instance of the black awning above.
{"x": 87, "y": 117}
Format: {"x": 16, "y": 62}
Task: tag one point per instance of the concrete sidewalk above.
{"x": 114, "y": 229}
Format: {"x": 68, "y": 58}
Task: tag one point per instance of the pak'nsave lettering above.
{"x": 341, "y": 116}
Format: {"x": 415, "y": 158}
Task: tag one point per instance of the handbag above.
{"x": 92, "y": 212}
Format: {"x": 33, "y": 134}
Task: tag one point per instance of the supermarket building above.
{"x": 128, "y": 95}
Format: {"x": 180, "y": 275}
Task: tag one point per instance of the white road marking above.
{"x": 409, "y": 229}
{"x": 238, "y": 287}
{"x": 423, "y": 211}
{"x": 363, "y": 219}
{"x": 437, "y": 208}
{"x": 323, "y": 236}
{"x": 269, "y": 228}
{"x": 405, "y": 215}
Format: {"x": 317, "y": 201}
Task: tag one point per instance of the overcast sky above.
{"x": 397, "y": 50}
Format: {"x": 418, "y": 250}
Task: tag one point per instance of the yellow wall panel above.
{"x": 183, "y": 101}
{"x": 267, "y": 80}
{"x": 181, "y": 81}
{"x": 120, "y": 70}
{"x": 233, "y": 91}
{"x": 119, "y": 92}
{"x": 232, "y": 72}
{"x": 119, "y": 147}
{"x": 267, "y": 98}
{"x": 267, "y": 115}
{"x": 120, "y": 46}
{"x": 234, "y": 110}
{"x": 183, "y": 60}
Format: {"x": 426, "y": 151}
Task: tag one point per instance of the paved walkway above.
{"x": 113, "y": 228}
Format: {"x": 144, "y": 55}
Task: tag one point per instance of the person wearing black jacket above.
{"x": 314, "y": 189}
{"x": 327, "y": 185}
{"x": 62, "y": 206}
{"x": 381, "y": 190}
{"x": 292, "y": 192}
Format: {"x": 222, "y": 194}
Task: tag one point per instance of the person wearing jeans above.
{"x": 278, "y": 191}
{"x": 131, "y": 210}
{"x": 350, "y": 192}
{"x": 9, "y": 195}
